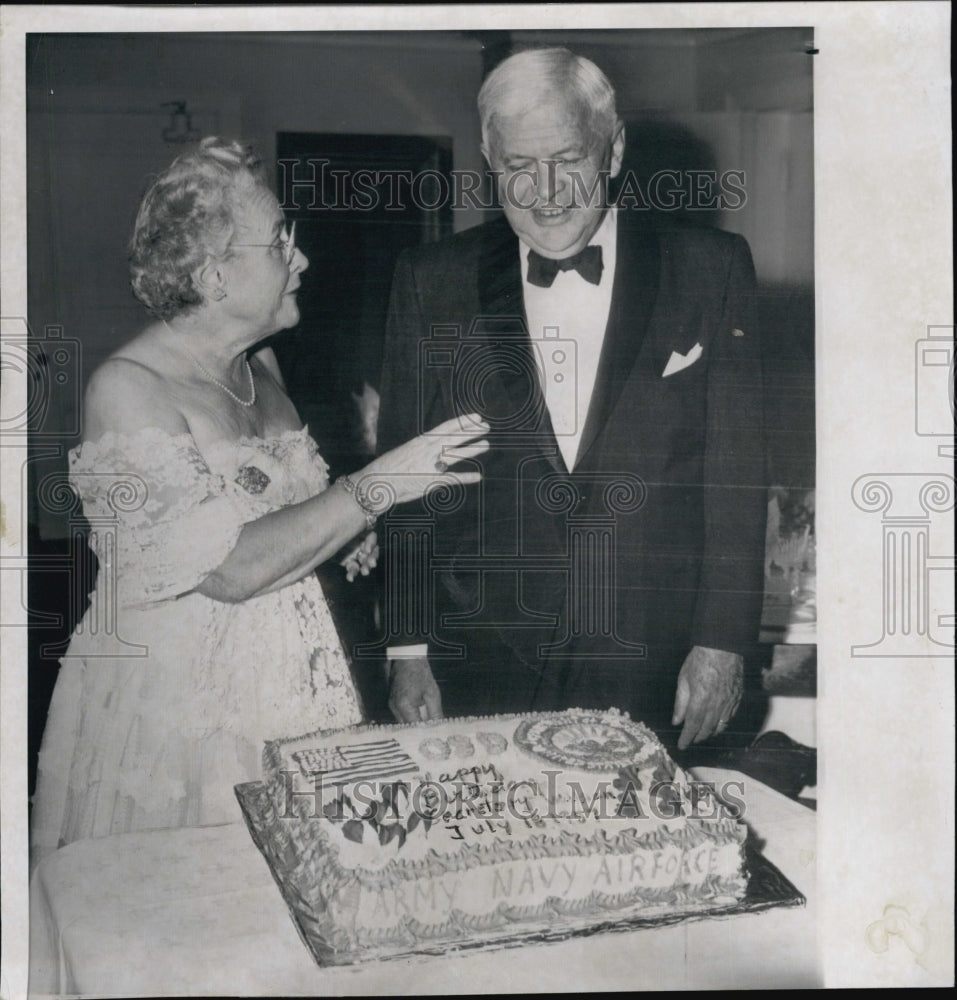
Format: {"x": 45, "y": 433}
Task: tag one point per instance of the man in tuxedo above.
{"x": 613, "y": 553}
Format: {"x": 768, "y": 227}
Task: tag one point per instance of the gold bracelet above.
{"x": 350, "y": 487}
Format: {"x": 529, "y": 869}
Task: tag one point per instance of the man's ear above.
{"x": 617, "y": 150}
{"x": 209, "y": 280}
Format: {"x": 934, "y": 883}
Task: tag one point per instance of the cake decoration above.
{"x": 492, "y": 743}
{"x": 592, "y": 741}
{"x": 343, "y": 764}
{"x": 496, "y": 826}
{"x": 435, "y": 749}
{"x": 462, "y": 746}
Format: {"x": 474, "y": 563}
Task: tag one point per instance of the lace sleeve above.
{"x": 160, "y": 519}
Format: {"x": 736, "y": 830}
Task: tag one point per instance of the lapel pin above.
{"x": 737, "y": 333}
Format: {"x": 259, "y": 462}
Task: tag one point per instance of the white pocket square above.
{"x": 677, "y": 362}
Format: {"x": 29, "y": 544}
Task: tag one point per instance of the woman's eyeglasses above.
{"x": 286, "y": 243}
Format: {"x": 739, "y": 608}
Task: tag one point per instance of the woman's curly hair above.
{"x": 186, "y": 216}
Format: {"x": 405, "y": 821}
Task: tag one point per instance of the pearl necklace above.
{"x": 229, "y": 392}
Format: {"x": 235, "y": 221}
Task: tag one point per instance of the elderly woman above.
{"x": 222, "y": 510}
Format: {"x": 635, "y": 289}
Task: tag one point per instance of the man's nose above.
{"x": 547, "y": 181}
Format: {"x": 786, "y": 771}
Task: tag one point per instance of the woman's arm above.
{"x": 285, "y": 545}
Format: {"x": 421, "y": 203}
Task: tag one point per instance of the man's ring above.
{"x": 441, "y": 466}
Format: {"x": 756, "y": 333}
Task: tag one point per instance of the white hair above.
{"x": 521, "y": 81}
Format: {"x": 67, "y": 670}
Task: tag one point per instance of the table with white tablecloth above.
{"x": 196, "y": 911}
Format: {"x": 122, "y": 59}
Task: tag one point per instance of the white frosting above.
{"x": 469, "y": 828}
{"x": 529, "y": 883}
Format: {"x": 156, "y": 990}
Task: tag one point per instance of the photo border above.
{"x": 883, "y": 259}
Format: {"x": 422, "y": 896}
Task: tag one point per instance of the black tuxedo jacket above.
{"x": 543, "y": 588}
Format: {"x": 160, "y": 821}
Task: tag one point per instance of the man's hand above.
{"x": 414, "y": 695}
{"x": 710, "y": 686}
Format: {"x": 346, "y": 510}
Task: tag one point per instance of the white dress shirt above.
{"x": 566, "y": 323}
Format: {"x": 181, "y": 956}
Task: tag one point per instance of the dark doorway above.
{"x": 358, "y": 201}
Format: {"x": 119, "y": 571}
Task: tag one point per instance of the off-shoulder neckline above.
{"x": 114, "y": 437}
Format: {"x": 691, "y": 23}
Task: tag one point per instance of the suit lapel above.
{"x": 632, "y": 302}
{"x": 502, "y": 304}
{"x": 499, "y": 276}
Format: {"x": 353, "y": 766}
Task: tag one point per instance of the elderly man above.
{"x": 613, "y": 553}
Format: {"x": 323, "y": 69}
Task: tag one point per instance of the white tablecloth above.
{"x": 196, "y": 911}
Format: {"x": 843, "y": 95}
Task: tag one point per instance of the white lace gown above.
{"x": 165, "y": 697}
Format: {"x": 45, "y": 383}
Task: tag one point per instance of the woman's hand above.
{"x": 363, "y": 558}
{"x": 283, "y": 546}
{"x": 424, "y": 463}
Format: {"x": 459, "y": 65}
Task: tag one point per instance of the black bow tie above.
{"x": 542, "y": 270}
